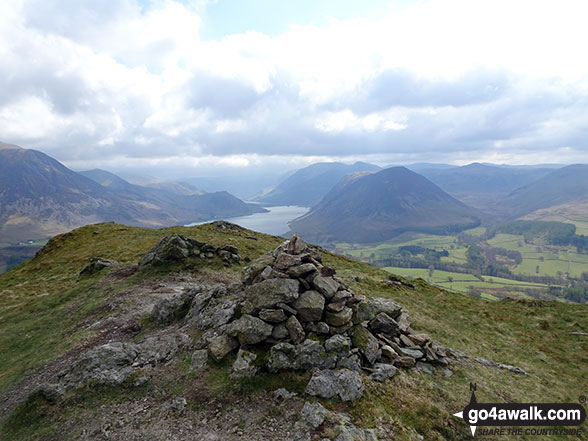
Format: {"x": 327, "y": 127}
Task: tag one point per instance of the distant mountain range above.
{"x": 307, "y": 186}
{"x": 567, "y": 186}
{"x": 40, "y": 197}
{"x": 373, "y": 207}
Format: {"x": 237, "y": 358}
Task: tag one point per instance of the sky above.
{"x": 197, "y": 88}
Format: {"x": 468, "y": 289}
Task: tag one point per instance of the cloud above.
{"x": 103, "y": 82}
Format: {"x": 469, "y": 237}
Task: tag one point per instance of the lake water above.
{"x": 274, "y": 222}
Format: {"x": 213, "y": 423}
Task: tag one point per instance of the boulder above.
{"x": 382, "y": 372}
{"x": 96, "y": 264}
{"x": 403, "y": 321}
{"x": 272, "y": 315}
{"x": 366, "y": 343}
{"x": 313, "y": 414}
{"x": 301, "y": 270}
{"x": 285, "y": 261}
{"x": 280, "y": 331}
{"x": 249, "y": 330}
{"x": 368, "y": 309}
{"x": 306, "y": 356}
{"x": 327, "y": 286}
{"x": 199, "y": 360}
{"x": 383, "y": 323}
{"x": 310, "y": 305}
{"x": 339, "y": 318}
{"x": 256, "y": 267}
{"x": 297, "y": 245}
{"x": 172, "y": 308}
{"x": 295, "y": 329}
{"x": 320, "y": 328}
{"x": 243, "y": 366}
{"x": 268, "y": 293}
{"x": 330, "y": 383}
{"x": 338, "y": 344}
{"x": 172, "y": 248}
{"x": 221, "y": 345}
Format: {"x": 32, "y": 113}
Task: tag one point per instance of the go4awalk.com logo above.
{"x": 523, "y": 418}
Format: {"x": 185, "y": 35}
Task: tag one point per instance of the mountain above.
{"x": 561, "y": 188}
{"x": 308, "y": 185}
{"x": 40, "y": 197}
{"x": 371, "y": 207}
{"x": 482, "y": 178}
{"x": 129, "y": 347}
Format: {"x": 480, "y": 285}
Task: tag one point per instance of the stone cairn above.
{"x": 295, "y": 311}
{"x": 290, "y": 313}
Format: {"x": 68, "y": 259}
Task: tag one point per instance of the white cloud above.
{"x": 95, "y": 81}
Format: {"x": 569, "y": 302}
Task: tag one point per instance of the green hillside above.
{"x": 46, "y": 314}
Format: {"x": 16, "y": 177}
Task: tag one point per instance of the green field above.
{"x": 462, "y": 282}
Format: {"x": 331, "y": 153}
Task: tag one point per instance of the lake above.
{"x": 274, "y": 222}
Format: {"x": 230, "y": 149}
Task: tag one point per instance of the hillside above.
{"x": 378, "y": 206}
{"x": 481, "y": 185}
{"x": 308, "y": 185}
{"x": 40, "y": 197}
{"x": 565, "y": 186}
{"x": 72, "y": 318}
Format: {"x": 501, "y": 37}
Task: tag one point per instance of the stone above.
{"x": 177, "y": 404}
{"x": 52, "y": 393}
{"x": 109, "y": 364}
{"x": 286, "y": 308}
{"x": 406, "y": 341}
{"x": 313, "y": 414}
{"x": 382, "y": 372}
{"x": 486, "y": 362}
{"x": 243, "y": 366}
{"x": 172, "y": 248}
{"x": 366, "y": 343}
{"x": 221, "y": 345}
{"x": 306, "y": 356}
{"x": 268, "y": 293}
{"x": 405, "y": 361}
{"x": 369, "y": 308}
{"x": 403, "y": 321}
{"x": 296, "y": 245}
{"x": 338, "y": 344}
{"x": 414, "y": 353}
{"x": 157, "y": 349}
{"x": 96, "y": 264}
{"x": 283, "y": 394}
{"x": 330, "y": 383}
{"x": 173, "y": 308}
{"x": 339, "y": 318}
{"x": 280, "y": 331}
{"x": 310, "y": 306}
{"x": 389, "y": 352}
{"x": 425, "y": 367}
{"x": 327, "y": 286}
{"x": 515, "y": 369}
{"x": 249, "y": 330}
{"x": 342, "y": 296}
{"x": 301, "y": 270}
{"x": 272, "y": 315}
{"x": 336, "y": 306}
{"x": 284, "y": 261}
{"x": 340, "y": 329}
{"x": 282, "y": 357}
{"x": 311, "y": 354}
{"x": 199, "y": 360}
{"x": 353, "y": 362}
{"x": 320, "y": 328}
{"x": 295, "y": 329}
{"x": 383, "y": 323}
{"x": 255, "y": 268}
{"x": 420, "y": 339}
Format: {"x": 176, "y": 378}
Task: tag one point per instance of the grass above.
{"x": 462, "y": 282}
{"x": 531, "y": 334}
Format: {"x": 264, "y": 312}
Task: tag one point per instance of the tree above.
{"x": 431, "y": 270}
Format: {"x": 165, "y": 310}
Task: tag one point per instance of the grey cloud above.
{"x": 400, "y": 87}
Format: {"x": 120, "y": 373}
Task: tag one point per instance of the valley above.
{"x": 508, "y": 264}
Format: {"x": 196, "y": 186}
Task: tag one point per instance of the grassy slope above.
{"x": 532, "y": 335}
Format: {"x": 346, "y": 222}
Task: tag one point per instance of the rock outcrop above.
{"x": 176, "y": 248}
{"x": 96, "y": 264}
